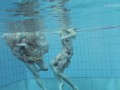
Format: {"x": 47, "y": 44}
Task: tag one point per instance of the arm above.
{"x": 71, "y": 33}
{"x": 21, "y": 45}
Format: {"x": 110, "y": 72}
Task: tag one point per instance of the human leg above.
{"x": 67, "y": 80}
{"x": 60, "y": 82}
{"x": 33, "y": 69}
{"x": 42, "y": 66}
{"x": 60, "y": 75}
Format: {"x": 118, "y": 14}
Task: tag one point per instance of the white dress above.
{"x": 36, "y": 42}
{"x": 62, "y": 60}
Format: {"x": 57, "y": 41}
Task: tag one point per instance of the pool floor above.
{"x": 82, "y": 83}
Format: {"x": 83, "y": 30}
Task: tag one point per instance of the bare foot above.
{"x": 39, "y": 70}
{"x": 45, "y": 89}
{"x": 61, "y": 86}
{"x": 75, "y": 88}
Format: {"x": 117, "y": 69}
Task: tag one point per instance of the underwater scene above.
{"x": 59, "y": 45}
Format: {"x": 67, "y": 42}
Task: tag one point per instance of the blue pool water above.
{"x": 95, "y": 64}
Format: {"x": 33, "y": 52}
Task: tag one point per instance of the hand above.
{"x": 4, "y": 35}
{"x": 22, "y": 45}
{"x": 25, "y": 45}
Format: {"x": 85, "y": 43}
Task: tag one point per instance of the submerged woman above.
{"x": 62, "y": 60}
{"x": 29, "y": 47}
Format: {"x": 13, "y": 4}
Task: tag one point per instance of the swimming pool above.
{"x": 95, "y": 64}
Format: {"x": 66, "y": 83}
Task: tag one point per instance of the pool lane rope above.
{"x": 82, "y": 30}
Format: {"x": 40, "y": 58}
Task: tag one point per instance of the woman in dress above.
{"x": 29, "y": 47}
{"x": 62, "y": 60}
